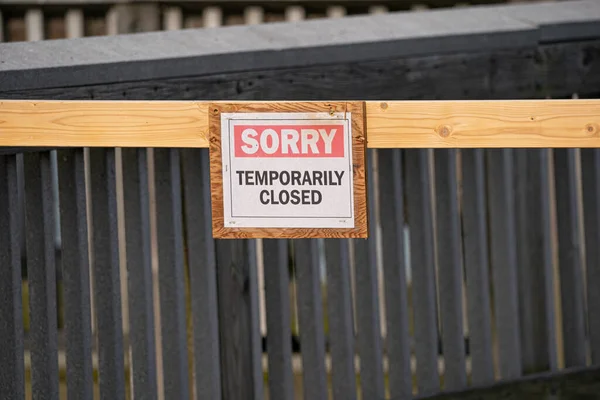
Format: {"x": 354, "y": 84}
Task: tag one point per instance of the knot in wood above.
{"x": 444, "y": 130}
{"x": 592, "y": 129}
{"x": 383, "y": 106}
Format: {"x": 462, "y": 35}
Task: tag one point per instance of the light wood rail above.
{"x": 389, "y": 124}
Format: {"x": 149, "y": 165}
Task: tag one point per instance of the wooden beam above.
{"x": 390, "y": 124}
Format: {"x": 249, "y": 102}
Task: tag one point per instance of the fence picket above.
{"x": 41, "y": 272}
{"x": 590, "y": 167}
{"x": 279, "y": 334}
{"x": 171, "y": 273}
{"x": 139, "y": 272}
{"x": 203, "y": 279}
{"x": 503, "y": 248}
{"x": 106, "y": 273}
{"x": 391, "y": 195}
{"x": 367, "y": 304}
{"x": 310, "y": 315}
{"x": 534, "y": 244}
{"x": 449, "y": 264}
{"x": 341, "y": 326}
{"x": 76, "y": 272}
{"x": 12, "y": 369}
{"x": 569, "y": 257}
{"x": 474, "y": 230}
{"x": 418, "y": 186}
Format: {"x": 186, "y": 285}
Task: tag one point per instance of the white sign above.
{"x": 287, "y": 170}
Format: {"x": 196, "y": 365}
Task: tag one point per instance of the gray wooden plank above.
{"x": 76, "y": 272}
{"x": 12, "y": 370}
{"x": 341, "y": 326}
{"x": 590, "y": 171}
{"x": 139, "y": 272}
{"x": 171, "y": 272}
{"x": 391, "y": 205}
{"x": 474, "y": 231}
{"x": 449, "y": 265}
{"x": 310, "y": 317}
{"x": 259, "y": 47}
{"x": 279, "y": 333}
{"x": 235, "y": 328}
{"x": 418, "y": 188}
{"x": 41, "y": 269}
{"x": 203, "y": 278}
{"x": 255, "y": 332}
{"x": 106, "y": 273}
{"x": 569, "y": 257}
{"x": 535, "y": 272}
{"x": 367, "y": 306}
{"x": 570, "y": 384}
{"x": 503, "y": 250}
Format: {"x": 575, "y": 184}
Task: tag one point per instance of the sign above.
{"x": 288, "y": 173}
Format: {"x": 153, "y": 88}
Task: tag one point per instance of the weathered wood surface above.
{"x": 570, "y": 384}
{"x": 104, "y": 59}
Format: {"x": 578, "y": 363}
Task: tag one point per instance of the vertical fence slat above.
{"x": 534, "y": 246}
{"x": 74, "y": 23}
{"x": 310, "y": 316}
{"x": 41, "y": 267}
{"x": 255, "y": 334}
{"x": 201, "y": 259}
{"x": 12, "y": 377}
{"x": 590, "y": 167}
{"x": 569, "y": 257}
{"x": 171, "y": 273}
{"x": 503, "y": 248}
{"x": 76, "y": 272}
{"x": 277, "y": 297}
{"x": 367, "y": 304}
{"x": 139, "y": 272}
{"x": 422, "y": 266}
{"x": 106, "y": 273}
{"x": 341, "y": 327}
{"x": 449, "y": 262}
{"x": 391, "y": 198}
{"x": 476, "y": 265}
{"x": 34, "y": 24}
{"x": 233, "y": 278}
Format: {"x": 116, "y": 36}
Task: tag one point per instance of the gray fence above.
{"x": 480, "y": 276}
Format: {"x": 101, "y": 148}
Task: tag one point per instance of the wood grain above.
{"x": 103, "y": 123}
{"x": 359, "y": 170}
{"x": 507, "y": 123}
{"x": 391, "y": 124}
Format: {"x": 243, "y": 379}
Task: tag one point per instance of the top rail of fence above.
{"x": 194, "y": 52}
{"x": 390, "y": 124}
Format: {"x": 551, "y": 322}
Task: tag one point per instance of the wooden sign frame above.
{"x": 359, "y": 144}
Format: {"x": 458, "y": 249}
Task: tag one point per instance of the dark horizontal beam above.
{"x": 395, "y": 3}
{"x": 571, "y": 384}
{"x": 201, "y": 52}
